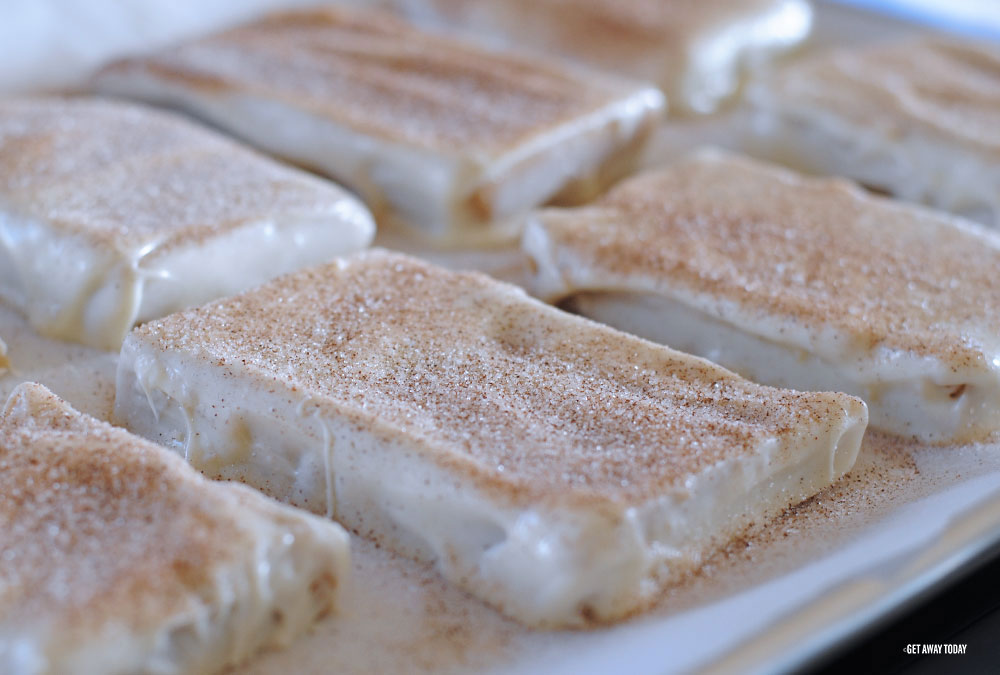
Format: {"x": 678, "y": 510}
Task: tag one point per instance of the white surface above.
{"x": 82, "y": 375}
{"x": 400, "y": 618}
{"x": 47, "y": 44}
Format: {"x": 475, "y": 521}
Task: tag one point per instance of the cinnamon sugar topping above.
{"x": 109, "y": 542}
{"x": 98, "y": 524}
{"x": 507, "y": 391}
{"x": 817, "y": 254}
{"x": 132, "y": 177}
{"x": 932, "y": 85}
{"x": 377, "y": 75}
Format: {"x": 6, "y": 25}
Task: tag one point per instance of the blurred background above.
{"x": 48, "y": 44}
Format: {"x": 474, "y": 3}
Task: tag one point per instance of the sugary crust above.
{"x": 128, "y": 177}
{"x": 517, "y": 397}
{"x": 101, "y": 527}
{"x": 928, "y": 84}
{"x": 819, "y": 254}
{"x": 377, "y": 75}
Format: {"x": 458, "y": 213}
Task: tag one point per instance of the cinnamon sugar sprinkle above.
{"x": 399, "y": 616}
{"x": 127, "y": 176}
{"x": 933, "y": 85}
{"x": 98, "y": 525}
{"x": 371, "y": 72}
{"x": 814, "y": 253}
{"x": 508, "y": 392}
{"x": 885, "y": 476}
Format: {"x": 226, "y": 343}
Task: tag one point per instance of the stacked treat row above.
{"x": 561, "y": 469}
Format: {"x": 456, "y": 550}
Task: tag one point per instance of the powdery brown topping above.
{"x": 99, "y": 525}
{"x": 382, "y": 77}
{"x": 130, "y": 177}
{"x": 817, "y": 253}
{"x": 884, "y": 478}
{"x": 934, "y": 84}
{"x": 494, "y": 386}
